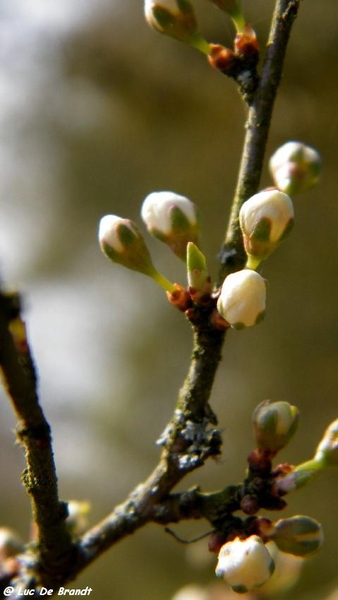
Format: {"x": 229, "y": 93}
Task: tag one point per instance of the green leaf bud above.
{"x": 177, "y": 19}
{"x": 172, "y": 219}
{"x": 242, "y": 299}
{"x": 245, "y": 564}
{"x": 299, "y": 535}
{"x": 274, "y": 424}
{"x": 122, "y": 242}
{"x": 295, "y": 167}
{"x": 265, "y": 220}
{"x": 327, "y": 450}
{"x": 198, "y": 276}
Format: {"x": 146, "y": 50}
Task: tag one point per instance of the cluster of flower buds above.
{"x": 295, "y": 167}
{"x": 247, "y": 563}
{"x": 177, "y": 19}
{"x": 174, "y": 220}
{"x": 245, "y": 559}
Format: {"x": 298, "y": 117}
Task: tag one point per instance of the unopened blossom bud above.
{"x": 327, "y": 451}
{"x": 234, "y": 10}
{"x": 265, "y": 220}
{"x": 198, "y": 276}
{"x": 172, "y": 219}
{"x": 295, "y": 167}
{"x": 177, "y": 19}
{"x": 274, "y": 424}
{"x": 245, "y": 564}
{"x": 299, "y": 535}
{"x": 122, "y": 242}
{"x": 242, "y": 299}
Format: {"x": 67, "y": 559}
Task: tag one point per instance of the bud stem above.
{"x": 200, "y": 44}
{"x": 252, "y": 263}
{"x": 162, "y": 281}
{"x": 314, "y": 464}
{"x": 238, "y": 20}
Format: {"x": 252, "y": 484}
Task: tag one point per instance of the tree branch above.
{"x": 191, "y": 436}
{"x": 33, "y": 431}
{"x": 257, "y": 128}
{"x": 192, "y": 405}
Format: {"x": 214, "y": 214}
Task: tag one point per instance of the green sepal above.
{"x": 261, "y": 233}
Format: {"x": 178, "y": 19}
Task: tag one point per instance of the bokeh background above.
{"x": 97, "y": 111}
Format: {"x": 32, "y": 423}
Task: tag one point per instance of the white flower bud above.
{"x": 242, "y": 299}
{"x": 295, "y": 167}
{"x": 177, "y": 19}
{"x": 245, "y": 564}
{"x": 122, "y": 242}
{"x": 274, "y": 424}
{"x": 172, "y": 219}
{"x": 265, "y": 220}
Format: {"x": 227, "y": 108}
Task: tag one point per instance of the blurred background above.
{"x": 97, "y": 111}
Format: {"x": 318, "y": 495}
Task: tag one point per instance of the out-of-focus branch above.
{"x": 33, "y": 431}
